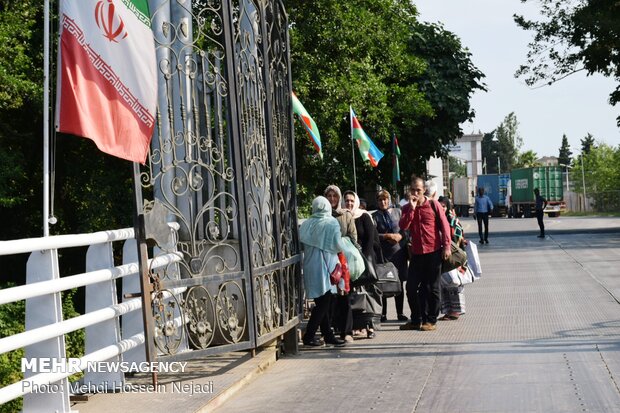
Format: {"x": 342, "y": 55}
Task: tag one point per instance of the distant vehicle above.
{"x": 548, "y": 179}
{"x": 463, "y": 195}
{"x": 496, "y": 188}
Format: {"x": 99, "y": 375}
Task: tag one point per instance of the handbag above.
{"x": 369, "y": 276}
{"x": 451, "y": 279}
{"x": 336, "y": 274}
{"x": 457, "y": 259}
{"x": 387, "y": 279}
{"x": 473, "y": 260}
{"x": 354, "y": 258}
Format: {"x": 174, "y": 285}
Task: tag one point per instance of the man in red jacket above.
{"x": 429, "y": 234}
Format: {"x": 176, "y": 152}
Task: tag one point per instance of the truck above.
{"x": 496, "y": 188}
{"x": 463, "y": 195}
{"x": 548, "y": 179}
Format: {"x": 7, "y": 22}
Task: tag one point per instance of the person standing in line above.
{"x": 482, "y": 209}
{"x": 321, "y": 240}
{"x": 430, "y": 244}
{"x": 369, "y": 241}
{"x": 394, "y": 247}
{"x": 341, "y": 305}
{"x": 541, "y": 204}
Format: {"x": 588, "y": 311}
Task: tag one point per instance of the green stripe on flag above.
{"x": 141, "y": 9}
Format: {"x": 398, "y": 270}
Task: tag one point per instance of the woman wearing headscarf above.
{"x": 341, "y": 306}
{"x": 321, "y": 239}
{"x": 393, "y": 245}
{"x": 368, "y": 239}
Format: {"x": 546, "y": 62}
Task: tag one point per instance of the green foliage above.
{"x": 457, "y": 167}
{"x": 601, "y": 168}
{"x": 587, "y": 143}
{"x": 564, "y": 156}
{"x": 400, "y": 76}
{"x": 573, "y": 36}
{"x": 489, "y": 148}
{"x": 526, "y": 159}
{"x": 509, "y": 141}
{"x": 11, "y": 322}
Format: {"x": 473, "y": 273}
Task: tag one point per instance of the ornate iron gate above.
{"x": 222, "y": 166}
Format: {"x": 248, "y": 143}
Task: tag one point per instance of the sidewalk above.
{"x": 541, "y": 334}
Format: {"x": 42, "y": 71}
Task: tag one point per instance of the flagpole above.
{"x": 394, "y": 181}
{"x": 353, "y": 156}
{"x": 352, "y": 148}
{"x": 46, "y": 98}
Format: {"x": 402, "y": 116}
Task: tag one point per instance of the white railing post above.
{"x": 132, "y": 322}
{"x": 42, "y": 311}
{"x": 101, "y": 295}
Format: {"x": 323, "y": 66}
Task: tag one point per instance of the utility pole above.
{"x": 583, "y": 181}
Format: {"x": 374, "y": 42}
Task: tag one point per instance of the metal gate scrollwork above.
{"x": 222, "y": 168}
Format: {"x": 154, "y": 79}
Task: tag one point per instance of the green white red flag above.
{"x": 107, "y": 81}
{"x": 306, "y": 120}
{"x": 368, "y": 150}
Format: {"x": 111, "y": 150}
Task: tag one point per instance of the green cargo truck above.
{"x": 548, "y": 179}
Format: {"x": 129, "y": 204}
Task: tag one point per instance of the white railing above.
{"x": 45, "y": 326}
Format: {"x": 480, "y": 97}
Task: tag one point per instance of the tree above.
{"x": 401, "y": 77}
{"x": 526, "y": 159}
{"x": 490, "y": 153}
{"x": 574, "y": 36}
{"x": 456, "y": 166}
{"x": 587, "y": 143}
{"x": 564, "y": 156}
{"x": 509, "y": 141}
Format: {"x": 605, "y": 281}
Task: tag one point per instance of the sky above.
{"x": 575, "y": 106}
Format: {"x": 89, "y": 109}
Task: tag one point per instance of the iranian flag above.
{"x": 107, "y": 82}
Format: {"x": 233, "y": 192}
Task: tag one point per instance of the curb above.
{"x": 246, "y": 372}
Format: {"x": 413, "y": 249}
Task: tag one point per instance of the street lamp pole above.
{"x": 583, "y": 181}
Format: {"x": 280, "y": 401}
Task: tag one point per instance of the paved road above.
{"x": 541, "y": 334}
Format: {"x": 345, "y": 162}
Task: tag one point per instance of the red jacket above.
{"x": 424, "y": 233}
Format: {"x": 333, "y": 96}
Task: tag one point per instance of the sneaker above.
{"x": 428, "y": 327}
{"x": 481, "y": 241}
{"x": 384, "y": 319}
{"x": 486, "y": 241}
{"x": 402, "y": 317}
{"x": 541, "y": 236}
{"x": 409, "y": 326}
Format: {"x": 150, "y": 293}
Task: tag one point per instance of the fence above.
{"x": 605, "y": 201}
{"x": 44, "y": 338}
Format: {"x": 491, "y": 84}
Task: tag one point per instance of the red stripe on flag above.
{"x": 356, "y": 123}
{"x": 90, "y": 106}
{"x": 372, "y": 160}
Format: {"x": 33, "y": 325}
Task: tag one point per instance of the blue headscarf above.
{"x": 321, "y": 230}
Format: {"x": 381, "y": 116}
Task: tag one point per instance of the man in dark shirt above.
{"x": 541, "y": 204}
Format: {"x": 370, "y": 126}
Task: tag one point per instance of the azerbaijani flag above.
{"x": 107, "y": 81}
{"x": 368, "y": 150}
{"x": 308, "y": 122}
{"x": 395, "y": 155}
